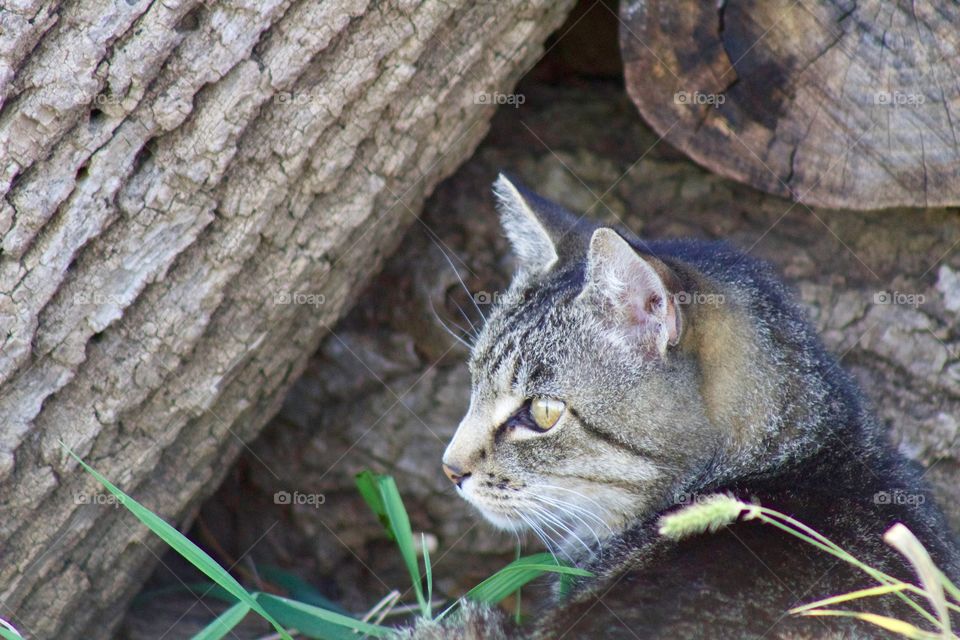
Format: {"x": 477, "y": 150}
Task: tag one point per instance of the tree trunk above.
{"x": 193, "y": 192}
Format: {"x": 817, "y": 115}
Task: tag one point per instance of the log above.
{"x": 192, "y": 192}
{"x": 839, "y": 104}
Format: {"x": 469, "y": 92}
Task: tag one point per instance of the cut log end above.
{"x": 826, "y": 104}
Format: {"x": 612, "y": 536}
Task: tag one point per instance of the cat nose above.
{"x": 455, "y": 474}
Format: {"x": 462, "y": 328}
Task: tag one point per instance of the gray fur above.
{"x": 471, "y": 621}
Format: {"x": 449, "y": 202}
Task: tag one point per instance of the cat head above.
{"x": 584, "y": 408}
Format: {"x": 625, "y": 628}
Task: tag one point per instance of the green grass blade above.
{"x": 951, "y": 588}
{"x": 315, "y": 622}
{"x": 512, "y": 577}
{"x": 369, "y": 486}
{"x": 903, "y": 540}
{"x": 191, "y": 552}
{"x": 196, "y": 589}
{"x": 8, "y": 631}
{"x": 382, "y": 496}
{"x": 810, "y": 536}
{"x": 853, "y": 595}
{"x": 297, "y": 588}
{"x": 224, "y": 623}
{"x": 400, "y": 524}
{"x": 566, "y": 584}
{"x": 515, "y": 575}
{"x": 428, "y": 569}
{"x": 893, "y": 625}
{"x": 518, "y": 608}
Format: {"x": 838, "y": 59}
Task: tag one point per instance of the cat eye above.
{"x": 546, "y": 411}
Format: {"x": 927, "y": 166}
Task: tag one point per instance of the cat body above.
{"x": 618, "y": 379}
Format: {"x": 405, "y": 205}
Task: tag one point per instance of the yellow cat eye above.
{"x": 546, "y": 411}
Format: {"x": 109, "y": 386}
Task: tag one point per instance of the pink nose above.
{"x": 456, "y": 475}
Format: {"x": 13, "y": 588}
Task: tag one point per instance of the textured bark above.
{"x": 192, "y": 192}
{"x": 388, "y": 387}
{"x": 838, "y": 104}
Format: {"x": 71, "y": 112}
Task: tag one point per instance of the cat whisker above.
{"x": 602, "y": 508}
{"x": 449, "y": 330}
{"x": 457, "y": 273}
{"x": 572, "y": 505}
{"x": 473, "y": 328}
{"x": 567, "y": 511}
{"x": 575, "y": 511}
{"x": 555, "y": 545}
{"x": 577, "y": 508}
{"x": 560, "y": 528}
{"x": 539, "y": 533}
{"x": 576, "y": 493}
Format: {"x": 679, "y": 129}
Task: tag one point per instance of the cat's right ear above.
{"x": 630, "y": 292}
{"x": 533, "y": 225}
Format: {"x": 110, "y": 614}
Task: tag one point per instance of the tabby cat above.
{"x": 618, "y": 379}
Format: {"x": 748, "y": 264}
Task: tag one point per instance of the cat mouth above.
{"x": 564, "y": 518}
{"x": 557, "y": 535}
{"x": 500, "y": 515}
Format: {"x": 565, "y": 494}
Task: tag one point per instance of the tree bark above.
{"x": 388, "y": 387}
{"x": 192, "y": 193}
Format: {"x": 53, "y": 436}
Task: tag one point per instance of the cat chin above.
{"x": 503, "y": 522}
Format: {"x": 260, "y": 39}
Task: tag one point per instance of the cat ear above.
{"x": 535, "y": 226}
{"x": 630, "y": 292}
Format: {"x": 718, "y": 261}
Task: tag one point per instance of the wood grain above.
{"x": 838, "y": 104}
